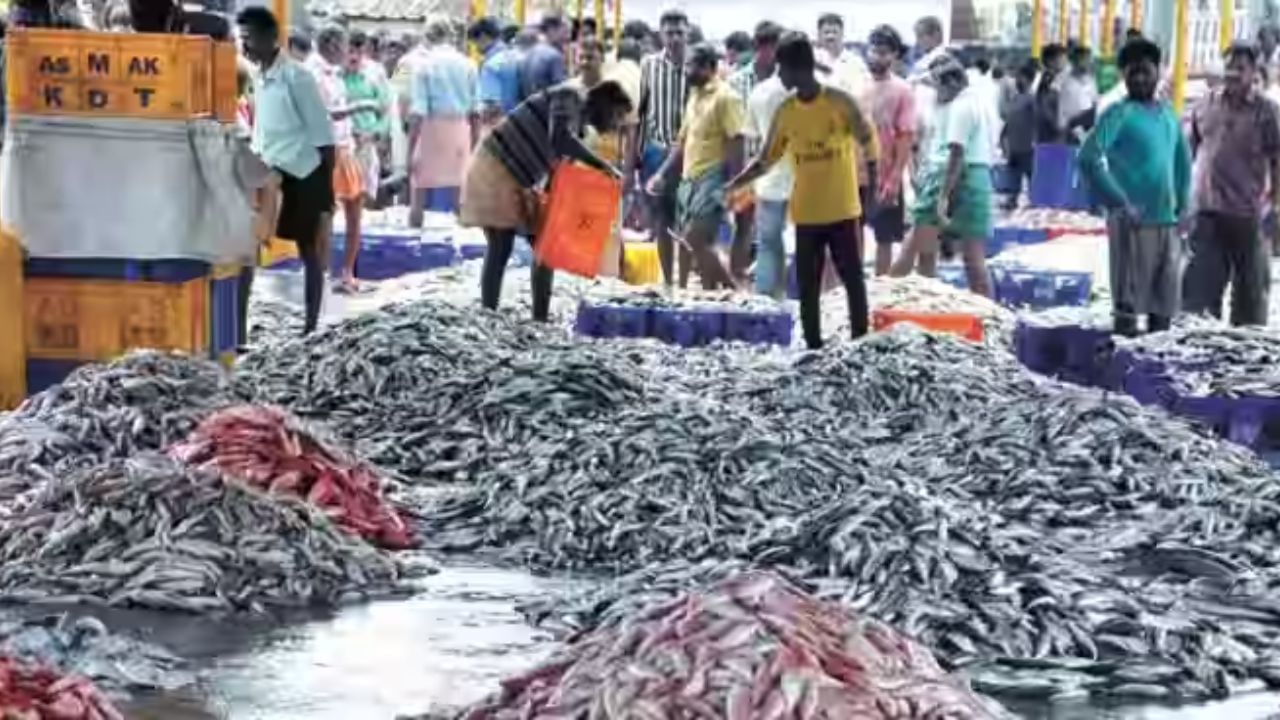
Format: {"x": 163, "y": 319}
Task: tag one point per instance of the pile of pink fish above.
{"x": 266, "y": 447}
{"x": 753, "y": 647}
{"x": 41, "y": 694}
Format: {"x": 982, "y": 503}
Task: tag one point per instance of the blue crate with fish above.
{"x": 167, "y": 271}
{"x": 1088, "y": 352}
{"x": 1005, "y": 180}
{"x": 1249, "y": 421}
{"x": 1039, "y": 289}
{"x": 688, "y": 327}
{"x": 43, "y": 374}
{"x": 1003, "y": 238}
{"x": 521, "y": 252}
{"x": 759, "y": 328}
{"x": 613, "y": 320}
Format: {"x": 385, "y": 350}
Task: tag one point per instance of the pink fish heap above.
{"x": 266, "y": 448}
{"x": 753, "y": 647}
{"x": 40, "y": 694}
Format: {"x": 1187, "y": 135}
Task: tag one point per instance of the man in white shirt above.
{"x": 955, "y": 191}
{"x": 1077, "y": 92}
{"x": 772, "y": 191}
{"x": 848, "y": 69}
{"x": 929, "y": 44}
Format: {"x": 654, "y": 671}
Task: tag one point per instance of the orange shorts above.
{"x": 348, "y": 183}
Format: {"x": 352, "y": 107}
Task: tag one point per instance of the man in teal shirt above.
{"x": 1138, "y": 161}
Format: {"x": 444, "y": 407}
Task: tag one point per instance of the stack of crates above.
{"x": 88, "y": 310}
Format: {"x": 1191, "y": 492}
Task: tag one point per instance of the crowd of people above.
{"x": 770, "y": 130}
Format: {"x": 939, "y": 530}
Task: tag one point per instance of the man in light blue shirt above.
{"x": 293, "y": 135}
{"x": 499, "y": 85}
{"x": 441, "y": 107}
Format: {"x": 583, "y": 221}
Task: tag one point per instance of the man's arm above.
{"x": 636, "y": 143}
{"x": 311, "y": 107}
{"x": 1181, "y": 168}
{"x": 775, "y": 144}
{"x": 863, "y": 132}
{"x": 1092, "y": 159}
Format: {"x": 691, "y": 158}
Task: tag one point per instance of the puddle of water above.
{"x": 443, "y": 648}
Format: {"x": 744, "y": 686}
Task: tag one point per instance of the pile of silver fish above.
{"x": 118, "y": 664}
{"x": 142, "y": 401}
{"x": 149, "y": 532}
{"x": 1210, "y": 359}
{"x": 751, "y": 646}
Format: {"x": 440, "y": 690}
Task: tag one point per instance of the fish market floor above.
{"x": 438, "y": 650}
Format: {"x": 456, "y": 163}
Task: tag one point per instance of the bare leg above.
{"x": 500, "y": 243}
{"x": 351, "y": 210}
{"x": 417, "y": 202}
{"x": 884, "y": 258}
{"x": 701, "y": 238}
{"x": 974, "y": 253}
{"x": 922, "y": 243}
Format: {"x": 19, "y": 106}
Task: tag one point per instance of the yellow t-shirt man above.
{"x": 819, "y": 137}
{"x": 713, "y": 116}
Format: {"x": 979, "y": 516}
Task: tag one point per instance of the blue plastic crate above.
{"x": 1088, "y": 355}
{"x": 1056, "y": 180}
{"x": 610, "y": 320}
{"x": 761, "y": 328}
{"x": 1032, "y": 236}
{"x": 389, "y": 255}
{"x": 472, "y": 251}
{"x": 224, "y": 314}
{"x": 1003, "y": 238}
{"x": 444, "y": 200}
{"x": 177, "y": 270}
{"x": 1039, "y": 348}
{"x": 44, "y": 374}
{"x": 1024, "y": 287}
{"x": 688, "y": 328}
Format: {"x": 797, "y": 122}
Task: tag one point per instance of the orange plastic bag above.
{"x": 582, "y": 207}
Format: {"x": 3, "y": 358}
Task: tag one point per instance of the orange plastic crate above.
{"x": 80, "y": 319}
{"x": 69, "y": 72}
{"x": 962, "y": 324}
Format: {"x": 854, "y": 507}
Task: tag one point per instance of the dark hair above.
{"x": 637, "y": 30}
{"x": 886, "y": 36}
{"x": 509, "y": 33}
{"x": 929, "y": 24}
{"x": 609, "y": 93}
{"x": 738, "y": 42}
{"x": 767, "y": 33}
{"x": 1242, "y": 51}
{"x": 328, "y": 34}
{"x": 1029, "y": 70}
{"x": 1132, "y": 33}
{"x": 357, "y": 38}
{"x": 551, "y": 21}
{"x": 997, "y": 72}
{"x": 704, "y": 55}
{"x": 1052, "y": 51}
{"x": 830, "y": 19}
{"x": 589, "y": 24}
{"x": 795, "y": 51}
{"x": 261, "y": 20}
{"x": 981, "y": 59}
{"x": 695, "y": 35}
{"x": 485, "y": 27}
{"x": 1137, "y": 50}
{"x": 674, "y": 16}
{"x": 299, "y": 40}
{"x": 629, "y": 49}
{"x": 1079, "y": 52}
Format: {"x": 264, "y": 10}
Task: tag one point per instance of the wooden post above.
{"x": 1037, "y": 28}
{"x": 1108, "y": 28}
{"x": 13, "y": 340}
{"x": 1085, "y": 40}
{"x": 617, "y": 27}
{"x": 1064, "y": 22}
{"x": 478, "y": 10}
{"x": 1180, "y": 55}
{"x": 280, "y": 8}
{"x": 1136, "y": 16}
{"x": 1227, "y": 25}
{"x": 600, "y": 23}
{"x": 519, "y": 12}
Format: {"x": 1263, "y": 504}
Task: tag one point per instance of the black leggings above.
{"x": 313, "y": 280}
{"x": 843, "y": 240}
{"x": 500, "y": 245}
